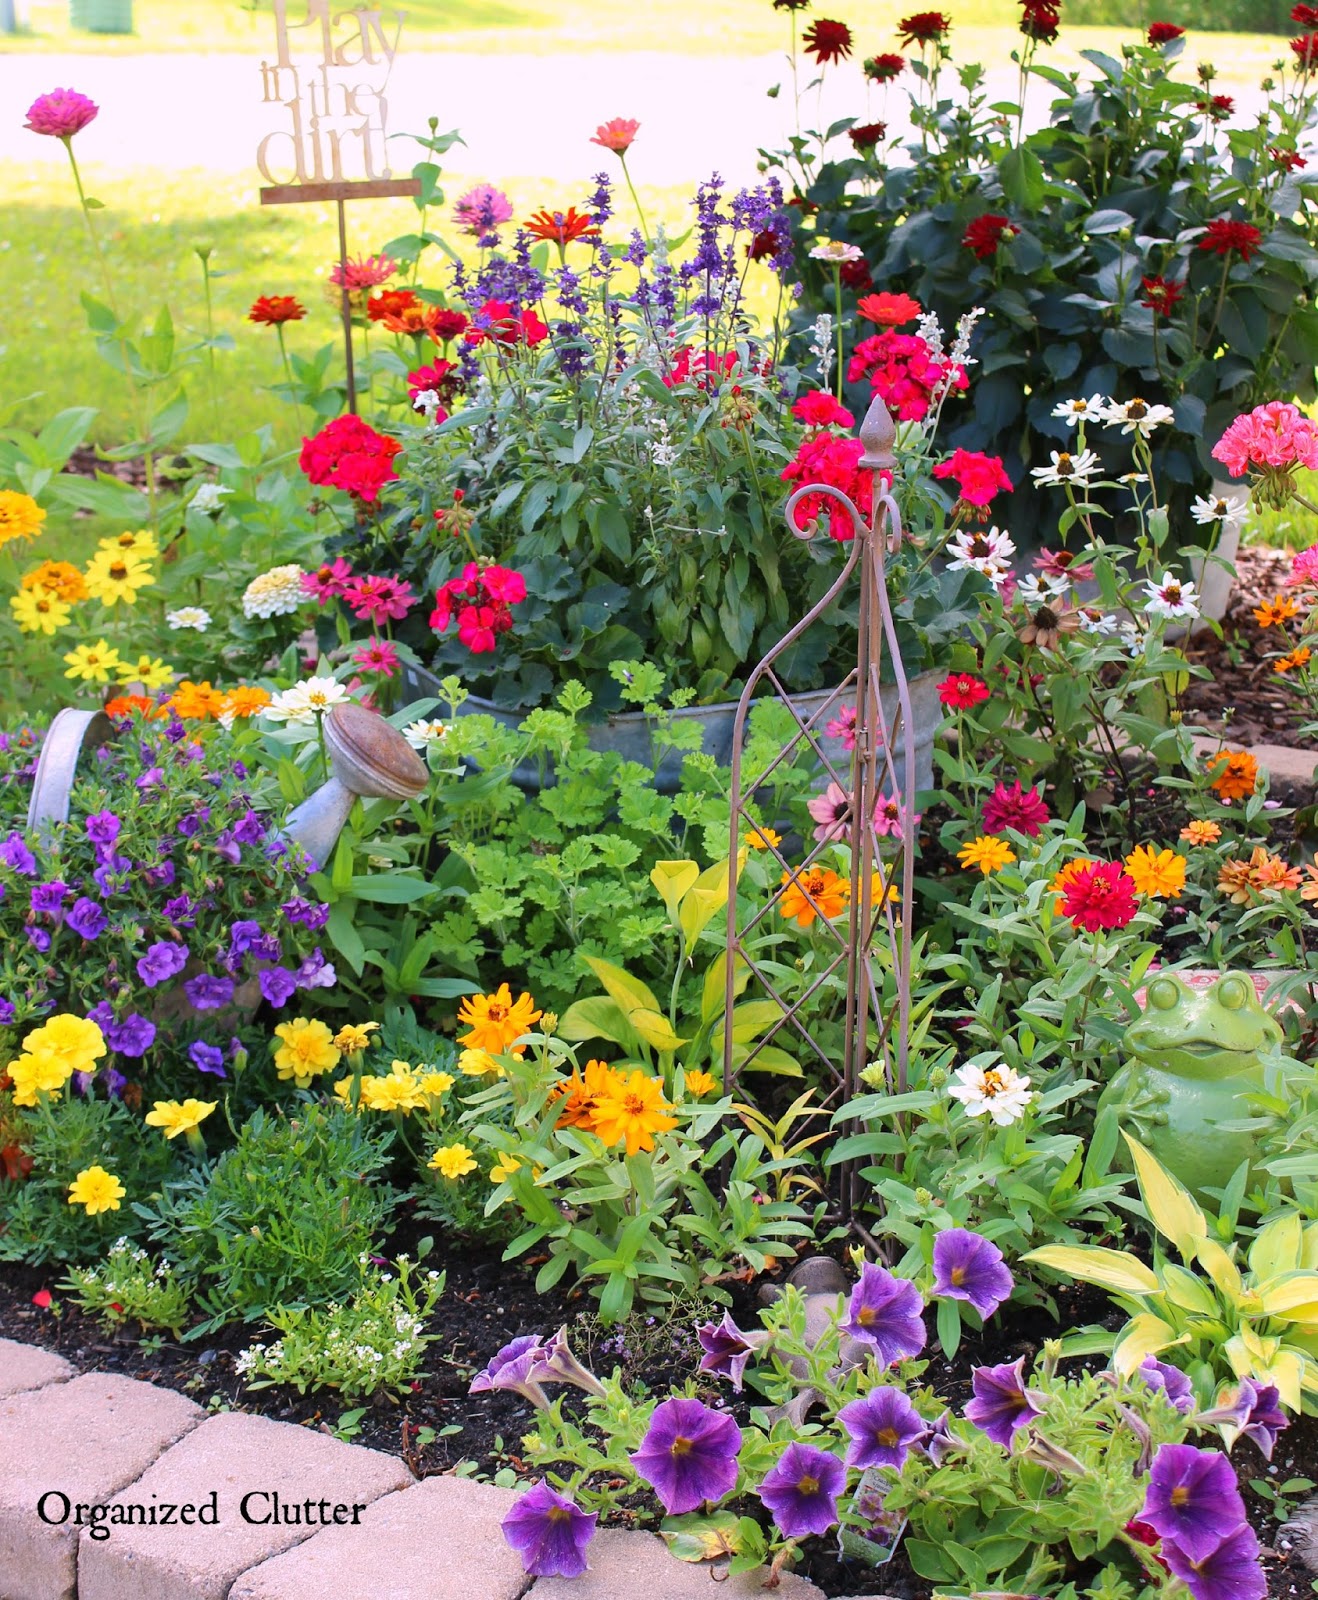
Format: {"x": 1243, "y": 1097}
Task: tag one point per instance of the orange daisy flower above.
{"x": 1201, "y": 833}
{"x": 195, "y": 702}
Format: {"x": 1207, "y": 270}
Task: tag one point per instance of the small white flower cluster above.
{"x": 129, "y": 1288}
{"x": 821, "y": 347}
{"x": 209, "y": 498}
{"x": 277, "y": 593}
{"x": 305, "y": 701}
{"x": 663, "y": 452}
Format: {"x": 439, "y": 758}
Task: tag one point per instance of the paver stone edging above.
{"x": 86, "y": 1438}
{"x": 232, "y": 1455}
{"x": 28, "y": 1366}
{"x": 637, "y": 1566}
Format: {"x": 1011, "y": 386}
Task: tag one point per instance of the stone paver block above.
{"x": 638, "y": 1564}
{"x": 440, "y": 1538}
{"x": 84, "y": 1439}
{"x": 28, "y": 1366}
{"x": 274, "y": 1468}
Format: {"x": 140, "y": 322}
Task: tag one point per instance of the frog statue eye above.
{"x": 1163, "y": 994}
{"x": 1231, "y": 993}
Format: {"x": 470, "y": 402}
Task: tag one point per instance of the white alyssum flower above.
{"x": 422, "y": 734}
{"x": 1135, "y": 416}
{"x": 1229, "y": 510}
{"x": 209, "y": 498}
{"x": 276, "y": 593}
{"x": 189, "y": 617}
{"x": 998, "y": 1091}
{"x": 1171, "y": 598}
{"x": 1064, "y": 468}
{"x": 1073, "y": 412}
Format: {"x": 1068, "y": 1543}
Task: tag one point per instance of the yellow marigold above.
{"x": 1234, "y": 774}
{"x": 20, "y": 516}
{"x": 495, "y": 1021}
{"x": 38, "y": 612}
{"x": 632, "y": 1109}
{"x": 1299, "y": 657}
{"x": 1272, "y": 613}
{"x": 142, "y": 543}
{"x": 1198, "y": 832}
{"x": 479, "y": 1064}
{"x": 307, "y": 1048}
{"x": 97, "y": 1190}
{"x": 504, "y": 1168}
{"x": 75, "y": 1041}
{"x": 762, "y": 838}
{"x": 195, "y": 702}
{"x": 814, "y": 892}
{"x": 435, "y": 1084}
{"x": 699, "y": 1084}
{"x": 176, "y": 1117}
{"x": 1157, "y": 873}
{"x": 59, "y": 578}
{"x": 150, "y": 672}
{"x": 36, "y": 1074}
{"x": 244, "y": 700}
{"x": 398, "y": 1090}
{"x": 113, "y": 576}
{"x": 92, "y": 663}
{"x": 986, "y": 854}
{"x": 354, "y": 1037}
{"x": 453, "y": 1160}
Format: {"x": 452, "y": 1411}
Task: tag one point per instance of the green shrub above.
{"x": 1229, "y": 16}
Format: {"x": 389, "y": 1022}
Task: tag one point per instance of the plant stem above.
{"x": 837, "y": 307}
{"x": 631, "y": 189}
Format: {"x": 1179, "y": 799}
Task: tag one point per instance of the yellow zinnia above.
{"x": 96, "y": 1189}
{"x": 632, "y": 1109}
{"x": 151, "y": 673}
{"x": 20, "y": 516}
{"x": 113, "y": 576}
{"x": 453, "y": 1160}
{"x": 496, "y": 1020}
{"x": 38, "y": 612}
{"x": 176, "y": 1118}
{"x": 762, "y": 838}
{"x": 1157, "y": 873}
{"x": 307, "y": 1048}
{"x": 988, "y": 853}
{"x": 142, "y": 543}
{"x": 93, "y": 663}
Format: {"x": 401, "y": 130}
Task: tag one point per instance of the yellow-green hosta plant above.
{"x": 1214, "y": 1316}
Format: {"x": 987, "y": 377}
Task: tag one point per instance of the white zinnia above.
{"x": 209, "y": 498}
{"x": 276, "y": 593}
{"x": 1171, "y": 598}
{"x": 1065, "y": 468}
{"x": 1072, "y": 412}
{"x": 421, "y": 734}
{"x": 1135, "y": 416}
{"x": 998, "y": 1091}
{"x": 1226, "y": 509}
{"x": 189, "y": 617}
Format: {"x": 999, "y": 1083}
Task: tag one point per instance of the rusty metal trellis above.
{"x": 873, "y": 1030}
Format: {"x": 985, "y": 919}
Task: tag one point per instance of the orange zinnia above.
{"x": 127, "y": 705}
{"x": 195, "y": 701}
{"x": 1299, "y": 657}
{"x": 562, "y": 227}
{"x": 495, "y": 1020}
{"x": 1063, "y": 880}
{"x": 390, "y": 303}
{"x": 816, "y": 892}
{"x": 61, "y": 579}
{"x": 581, "y": 1092}
{"x": 888, "y": 310}
{"x": 1235, "y": 773}
{"x": 633, "y": 1109}
{"x": 244, "y": 701}
{"x": 1201, "y": 832}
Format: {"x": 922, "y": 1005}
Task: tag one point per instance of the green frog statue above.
{"x": 1194, "y": 1053}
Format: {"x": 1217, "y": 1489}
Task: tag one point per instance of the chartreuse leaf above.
{"x": 1221, "y": 1269}
{"x": 704, "y": 899}
{"x": 713, "y": 995}
{"x": 596, "y": 1017}
{"x": 1183, "y": 1289}
{"x": 1293, "y": 1298}
{"x": 1143, "y": 1336}
{"x": 1277, "y": 1245}
{"x": 1169, "y": 1204}
{"x": 654, "y": 1029}
{"x": 1109, "y": 1269}
{"x": 630, "y": 993}
{"x": 672, "y": 879}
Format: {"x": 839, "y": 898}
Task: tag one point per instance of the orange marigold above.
{"x": 129, "y": 705}
{"x": 1234, "y": 774}
{"x": 816, "y": 892}
{"x": 58, "y": 578}
{"x": 495, "y": 1020}
{"x": 195, "y": 701}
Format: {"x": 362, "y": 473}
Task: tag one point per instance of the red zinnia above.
{"x": 1161, "y": 294}
{"x": 441, "y": 376}
{"x": 889, "y": 310}
{"x": 1222, "y": 236}
{"x": 884, "y": 68}
{"x": 1306, "y": 50}
{"x": 984, "y": 234}
{"x": 1219, "y": 107}
{"x": 1040, "y": 21}
{"x": 446, "y": 325}
{"x": 391, "y": 303}
{"x": 272, "y": 309}
{"x": 827, "y": 41}
{"x": 1101, "y": 895}
{"x": 925, "y": 27}
{"x": 962, "y": 691}
{"x": 562, "y": 227}
{"x": 1014, "y": 807}
{"x": 978, "y": 477}
{"x": 868, "y": 134}
{"x": 41, "y": 1299}
{"x": 1164, "y": 32}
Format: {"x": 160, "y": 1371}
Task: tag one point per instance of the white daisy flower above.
{"x": 1093, "y": 620}
{"x": 1135, "y": 416}
{"x": 1229, "y": 510}
{"x": 1171, "y": 598}
{"x": 974, "y": 548}
{"x": 421, "y": 734}
{"x": 998, "y": 1092}
{"x": 1074, "y": 411}
{"x": 1132, "y": 638}
{"x": 189, "y": 617}
{"x": 1065, "y": 468}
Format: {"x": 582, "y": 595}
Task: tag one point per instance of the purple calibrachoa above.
{"x": 163, "y": 960}
{"x": 967, "y": 1267}
{"x": 86, "y": 918}
{"x": 688, "y": 1455}
{"x": 885, "y": 1311}
{"x": 801, "y": 1491}
{"x": 884, "y": 1426}
{"x": 550, "y": 1533}
{"x": 1192, "y": 1499}
{"x": 726, "y": 1350}
{"x": 1001, "y": 1403}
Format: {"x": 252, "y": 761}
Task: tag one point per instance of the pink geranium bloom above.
{"x": 617, "y": 134}
{"x": 1304, "y": 566}
{"x": 377, "y": 599}
{"x": 890, "y": 817}
{"x": 61, "y": 113}
{"x": 327, "y": 581}
{"x": 843, "y": 726}
{"x": 1014, "y": 807}
{"x": 366, "y": 272}
{"x": 819, "y": 409}
{"x": 377, "y": 656}
{"x": 1277, "y": 435}
{"x": 503, "y": 584}
{"x": 978, "y": 477}
{"x": 832, "y": 811}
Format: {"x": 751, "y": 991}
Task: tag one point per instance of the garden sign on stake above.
{"x": 872, "y": 953}
{"x": 335, "y": 147}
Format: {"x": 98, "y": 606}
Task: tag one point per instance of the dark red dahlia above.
{"x": 1222, "y": 236}
{"x": 924, "y": 27}
{"x": 984, "y": 234}
{"x": 884, "y": 68}
{"x": 855, "y": 275}
{"x": 827, "y": 41}
{"x": 868, "y": 134}
{"x": 1040, "y": 21}
{"x": 1164, "y": 32}
{"x": 1161, "y": 294}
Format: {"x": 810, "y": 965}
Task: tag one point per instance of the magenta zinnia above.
{"x": 61, "y": 113}
{"x": 1014, "y": 807}
{"x": 1100, "y": 896}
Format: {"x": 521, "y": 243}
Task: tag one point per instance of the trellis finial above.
{"x": 878, "y": 435}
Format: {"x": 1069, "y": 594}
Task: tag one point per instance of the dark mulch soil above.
{"x": 86, "y": 463}
{"x": 487, "y": 1302}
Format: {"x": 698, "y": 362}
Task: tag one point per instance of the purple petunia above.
{"x": 801, "y": 1491}
{"x": 249, "y": 829}
{"x": 726, "y": 1350}
{"x": 1002, "y": 1403}
{"x": 1192, "y": 1499}
{"x": 1229, "y": 1571}
{"x": 207, "y": 992}
{"x": 227, "y": 847}
{"x": 278, "y": 985}
{"x": 942, "y": 1442}
{"x": 113, "y": 873}
{"x": 207, "y": 1058}
{"x": 885, "y": 1311}
{"x": 688, "y": 1455}
{"x": 883, "y": 1426}
{"x": 967, "y": 1267}
{"x": 7, "y": 1011}
{"x": 16, "y": 855}
{"x": 314, "y": 972}
{"x": 152, "y": 778}
{"x": 510, "y": 1368}
{"x": 555, "y": 1363}
{"x": 86, "y": 918}
{"x": 160, "y": 877}
{"x": 47, "y": 898}
{"x": 103, "y": 827}
{"x": 1170, "y": 1382}
{"x": 1265, "y": 1419}
{"x": 550, "y": 1533}
{"x": 163, "y": 960}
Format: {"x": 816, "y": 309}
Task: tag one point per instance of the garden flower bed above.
{"x": 894, "y": 1169}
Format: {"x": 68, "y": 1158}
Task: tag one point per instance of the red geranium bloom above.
{"x": 884, "y": 68}
{"x": 984, "y": 234}
{"x": 820, "y": 410}
{"x": 924, "y": 27}
{"x": 962, "y": 691}
{"x": 903, "y": 372}
{"x": 1014, "y": 807}
{"x": 1099, "y": 896}
{"x": 1222, "y": 236}
{"x": 390, "y": 303}
{"x": 867, "y": 135}
{"x": 1040, "y": 21}
{"x": 827, "y": 41}
{"x": 1161, "y": 294}
{"x": 562, "y": 227}
{"x": 889, "y": 310}
{"x": 349, "y": 454}
{"x": 270, "y": 310}
{"x": 447, "y": 325}
{"x": 444, "y": 377}
{"x": 832, "y": 459}
{"x": 1164, "y": 32}
{"x": 979, "y": 477}
{"x": 41, "y": 1299}
{"x": 482, "y": 598}
{"x": 855, "y": 275}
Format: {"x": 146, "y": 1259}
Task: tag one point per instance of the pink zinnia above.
{"x": 61, "y": 113}
{"x": 375, "y": 599}
{"x": 890, "y": 817}
{"x": 366, "y": 272}
{"x": 377, "y": 656}
{"x": 1275, "y": 435}
{"x": 1014, "y": 807}
{"x": 1100, "y": 896}
{"x": 843, "y": 726}
{"x": 326, "y": 582}
{"x": 1061, "y": 564}
{"x": 617, "y": 134}
{"x": 832, "y": 811}
{"x": 483, "y": 209}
